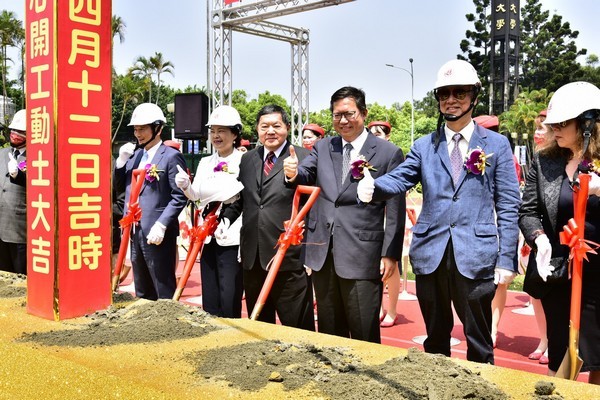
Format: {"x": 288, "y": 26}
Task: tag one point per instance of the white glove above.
{"x": 366, "y": 187}
{"x": 182, "y": 179}
{"x": 542, "y": 258}
{"x": 594, "y": 185}
{"x": 503, "y": 276}
{"x": 125, "y": 153}
{"x": 157, "y": 233}
{"x": 13, "y": 166}
{"x": 222, "y": 228}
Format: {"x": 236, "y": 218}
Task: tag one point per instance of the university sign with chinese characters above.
{"x": 68, "y": 73}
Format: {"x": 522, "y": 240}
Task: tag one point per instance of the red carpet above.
{"x": 518, "y": 334}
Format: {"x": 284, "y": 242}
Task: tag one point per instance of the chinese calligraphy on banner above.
{"x": 69, "y": 104}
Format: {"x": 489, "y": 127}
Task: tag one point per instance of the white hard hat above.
{"x": 456, "y": 73}
{"x": 224, "y": 116}
{"x": 220, "y": 187}
{"x": 571, "y": 100}
{"x": 146, "y": 114}
{"x": 19, "y": 121}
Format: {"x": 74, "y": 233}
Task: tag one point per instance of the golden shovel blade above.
{"x": 571, "y": 364}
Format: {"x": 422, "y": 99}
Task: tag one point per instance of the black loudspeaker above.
{"x": 191, "y": 116}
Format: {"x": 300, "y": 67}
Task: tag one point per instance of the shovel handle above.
{"x": 206, "y": 229}
{"x": 137, "y": 177}
{"x": 296, "y": 218}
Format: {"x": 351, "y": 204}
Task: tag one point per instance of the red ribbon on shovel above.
{"x": 133, "y": 216}
{"x": 198, "y": 235}
{"x": 294, "y": 229}
{"x": 573, "y": 236}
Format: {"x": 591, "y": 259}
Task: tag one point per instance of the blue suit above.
{"x": 464, "y": 231}
{"x": 160, "y": 200}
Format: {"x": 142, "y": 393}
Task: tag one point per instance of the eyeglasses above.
{"x": 349, "y": 115}
{"x": 443, "y": 94}
{"x": 559, "y": 125}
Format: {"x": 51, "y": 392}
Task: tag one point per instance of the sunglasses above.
{"x": 458, "y": 93}
{"x": 559, "y": 125}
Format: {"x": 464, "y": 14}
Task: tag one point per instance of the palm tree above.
{"x": 130, "y": 90}
{"x": 160, "y": 66}
{"x": 118, "y": 29}
{"x": 11, "y": 32}
{"x": 144, "y": 69}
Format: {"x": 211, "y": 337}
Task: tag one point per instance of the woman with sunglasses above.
{"x": 573, "y": 114}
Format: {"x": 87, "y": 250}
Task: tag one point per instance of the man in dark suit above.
{"x": 154, "y": 238}
{"x": 13, "y": 199}
{"x": 465, "y": 240}
{"x": 266, "y": 202}
{"x": 347, "y": 241}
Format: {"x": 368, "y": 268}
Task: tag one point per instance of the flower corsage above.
{"x": 222, "y": 167}
{"x": 357, "y": 167}
{"x": 152, "y": 172}
{"x": 22, "y": 166}
{"x": 590, "y": 166}
{"x": 476, "y": 161}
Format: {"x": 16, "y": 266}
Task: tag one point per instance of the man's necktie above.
{"x": 456, "y": 159}
{"x": 269, "y": 162}
{"x": 144, "y": 159}
{"x": 16, "y": 153}
{"x": 346, "y": 161}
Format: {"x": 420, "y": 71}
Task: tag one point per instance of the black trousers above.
{"x": 290, "y": 297}
{"x": 347, "y": 307}
{"x": 13, "y": 257}
{"x": 153, "y": 266}
{"x": 472, "y": 299}
{"x": 221, "y": 275}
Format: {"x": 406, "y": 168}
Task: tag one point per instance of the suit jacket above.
{"x": 540, "y": 209}
{"x": 160, "y": 200}
{"x": 359, "y": 237}
{"x": 480, "y": 214}
{"x": 266, "y": 204}
{"x": 13, "y": 203}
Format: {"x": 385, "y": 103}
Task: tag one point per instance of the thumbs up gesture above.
{"x": 13, "y": 166}
{"x": 366, "y": 187}
{"x": 182, "y": 179}
{"x": 290, "y": 165}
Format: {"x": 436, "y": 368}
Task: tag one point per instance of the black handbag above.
{"x": 533, "y": 283}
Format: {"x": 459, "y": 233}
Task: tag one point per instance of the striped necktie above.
{"x": 456, "y": 159}
{"x": 269, "y": 162}
{"x": 346, "y": 161}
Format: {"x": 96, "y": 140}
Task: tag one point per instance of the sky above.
{"x": 349, "y": 44}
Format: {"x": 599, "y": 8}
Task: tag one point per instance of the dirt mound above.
{"x": 339, "y": 375}
{"x": 141, "y": 322}
{"x": 12, "y": 285}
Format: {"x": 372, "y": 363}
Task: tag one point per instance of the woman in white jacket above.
{"x": 220, "y": 270}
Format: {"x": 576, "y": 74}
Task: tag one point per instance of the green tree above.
{"x": 520, "y": 118}
{"x": 11, "y": 33}
{"x": 476, "y": 48}
{"x": 143, "y": 69}
{"x": 127, "y": 91}
{"x": 548, "y": 50}
{"x": 160, "y": 66}
{"x": 591, "y": 71}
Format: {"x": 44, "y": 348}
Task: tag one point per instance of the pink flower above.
{"x": 22, "y": 165}
{"x": 152, "y": 172}
{"x": 357, "y": 166}
{"x": 476, "y": 161}
{"x": 222, "y": 166}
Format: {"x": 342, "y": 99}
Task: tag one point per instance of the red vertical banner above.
{"x": 41, "y": 221}
{"x": 79, "y": 182}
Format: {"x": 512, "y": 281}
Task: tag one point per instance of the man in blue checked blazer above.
{"x": 465, "y": 240}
